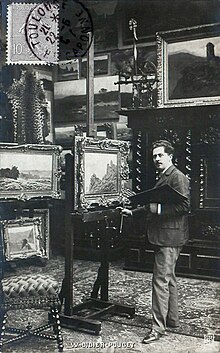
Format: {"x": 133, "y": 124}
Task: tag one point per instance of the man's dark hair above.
{"x": 168, "y": 148}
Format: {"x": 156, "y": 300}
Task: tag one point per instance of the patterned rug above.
{"x": 199, "y": 300}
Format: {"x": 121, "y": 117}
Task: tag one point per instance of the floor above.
{"x": 197, "y": 334}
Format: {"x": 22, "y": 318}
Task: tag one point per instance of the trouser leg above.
{"x": 173, "y": 312}
{"x": 162, "y": 283}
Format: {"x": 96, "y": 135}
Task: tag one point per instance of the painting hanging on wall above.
{"x": 101, "y": 172}
{"x": 189, "y": 66}
{"x": 64, "y": 134}
{"x": 29, "y": 171}
{"x": 101, "y": 65}
{"x": 68, "y": 70}
{"x": 70, "y": 97}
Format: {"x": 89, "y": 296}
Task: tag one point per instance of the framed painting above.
{"x": 23, "y": 238}
{"x": 29, "y": 171}
{"x": 101, "y": 65}
{"x": 189, "y": 66}
{"x": 64, "y": 133}
{"x": 44, "y": 215}
{"x": 68, "y": 70}
{"x": 123, "y": 132}
{"x": 70, "y": 97}
{"x": 101, "y": 172}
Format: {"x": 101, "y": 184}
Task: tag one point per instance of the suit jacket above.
{"x": 170, "y": 228}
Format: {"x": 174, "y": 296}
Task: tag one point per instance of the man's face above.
{"x": 161, "y": 159}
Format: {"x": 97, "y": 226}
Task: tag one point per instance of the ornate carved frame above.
{"x": 44, "y": 215}
{"x": 24, "y": 238}
{"x": 101, "y": 150}
{"x": 28, "y": 159}
{"x": 179, "y": 41}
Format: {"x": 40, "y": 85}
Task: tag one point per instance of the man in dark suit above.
{"x": 167, "y": 229}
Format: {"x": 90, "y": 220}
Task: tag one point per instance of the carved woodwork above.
{"x": 194, "y": 132}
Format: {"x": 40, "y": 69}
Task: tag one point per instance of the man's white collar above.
{"x": 167, "y": 168}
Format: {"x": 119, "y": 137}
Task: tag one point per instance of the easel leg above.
{"x": 97, "y": 285}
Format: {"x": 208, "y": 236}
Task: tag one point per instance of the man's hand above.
{"x": 125, "y": 211}
{"x": 153, "y": 207}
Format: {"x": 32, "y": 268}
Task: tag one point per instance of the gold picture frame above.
{"x": 188, "y": 65}
{"x": 101, "y": 172}
{"x": 29, "y": 171}
{"x": 25, "y": 238}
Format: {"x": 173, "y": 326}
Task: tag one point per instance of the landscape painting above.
{"x": 194, "y": 68}
{"x": 41, "y": 216}
{"x": 189, "y": 67}
{"x": 101, "y": 65}
{"x": 28, "y": 171}
{"x": 21, "y": 238}
{"x": 71, "y": 106}
{"x": 105, "y": 177}
{"x": 64, "y": 134}
{"x": 101, "y": 172}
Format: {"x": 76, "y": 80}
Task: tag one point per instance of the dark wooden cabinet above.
{"x": 195, "y": 133}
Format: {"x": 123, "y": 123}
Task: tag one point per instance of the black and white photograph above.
{"x": 109, "y": 176}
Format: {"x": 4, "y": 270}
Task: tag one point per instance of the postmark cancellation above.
{"x": 47, "y": 31}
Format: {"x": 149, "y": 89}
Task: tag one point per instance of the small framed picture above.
{"x": 101, "y": 65}
{"x": 68, "y": 70}
{"x": 44, "y": 215}
{"x": 25, "y": 237}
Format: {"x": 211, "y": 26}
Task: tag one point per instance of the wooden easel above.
{"x": 94, "y": 307}
{"x": 72, "y": 317}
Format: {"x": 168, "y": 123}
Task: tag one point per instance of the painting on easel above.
{"x": 101, "y": 172}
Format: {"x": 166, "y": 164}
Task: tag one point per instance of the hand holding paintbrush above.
{"x": 125, "y": 212}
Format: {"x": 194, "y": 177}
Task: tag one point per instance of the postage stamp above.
{"x": 47, "y": 32}
{"x": 33, "y": 33}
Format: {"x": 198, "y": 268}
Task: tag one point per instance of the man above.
{"x": 167, "y": 229}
